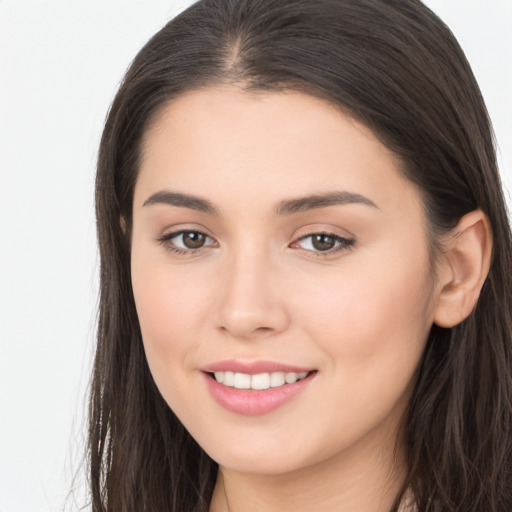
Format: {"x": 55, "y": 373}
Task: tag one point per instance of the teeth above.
{"x": 229, "y": 379}
{"x": 242, "y": 381}
{"x": 277, "y": 379}
{"x": 259, "y": 381}
{"x": 290, "y": 378}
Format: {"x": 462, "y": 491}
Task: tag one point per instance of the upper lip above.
{"x": 253, "y": 367}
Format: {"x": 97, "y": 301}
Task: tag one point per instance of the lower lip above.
{"x": 255, "y": 402}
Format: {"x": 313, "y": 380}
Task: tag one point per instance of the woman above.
{"x": 305, "y": 269}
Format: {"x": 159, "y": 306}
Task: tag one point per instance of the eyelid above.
{"x": 165, "y": 239}
{"x": 174, "y": 230}
{"x": 343, "y": 243}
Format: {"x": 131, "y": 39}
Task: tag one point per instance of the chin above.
{"x": 259, "y": 464}
{"x": 267, "y": 455}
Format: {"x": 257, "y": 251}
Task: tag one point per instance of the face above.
{"x": 277, "y": 248}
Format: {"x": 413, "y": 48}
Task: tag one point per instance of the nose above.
{"x": 252, "y": 301}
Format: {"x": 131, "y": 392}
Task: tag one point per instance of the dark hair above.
{"x": 395, "y": 67}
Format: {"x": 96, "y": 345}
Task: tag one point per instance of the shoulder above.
{"x": 408, "y": 504}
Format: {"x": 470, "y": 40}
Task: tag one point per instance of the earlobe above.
{"x": 465, "y": 265}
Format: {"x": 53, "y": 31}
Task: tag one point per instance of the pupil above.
{"x": 193, "y": 240}
{"x": 323, "y": 242}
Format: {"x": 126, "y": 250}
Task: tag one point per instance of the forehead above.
{"x": 228, "y": 143}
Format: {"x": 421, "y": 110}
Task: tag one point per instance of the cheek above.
{"x": 373, "y": 316}
{"x": 371, "y": 327}
{"x": 172, "y": 312}
{"x": 165, "y": 305}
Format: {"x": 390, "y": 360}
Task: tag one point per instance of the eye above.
{"x": 323, "y": 243}
{"x": 186, "y": 241}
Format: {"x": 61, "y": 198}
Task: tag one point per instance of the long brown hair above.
{"x": 394, "y": 66}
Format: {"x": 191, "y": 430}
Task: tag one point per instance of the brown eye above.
{"x": 327, "y": 243}
{"x": 193, "y": 239}
{"x": 323, "y": 242}
{"x": 186, "y": 241}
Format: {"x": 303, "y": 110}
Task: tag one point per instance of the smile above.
{"x": 254, "y": 388}
{"x": 259, "y": 381}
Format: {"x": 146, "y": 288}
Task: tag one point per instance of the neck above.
{"x": 345, "y": 482}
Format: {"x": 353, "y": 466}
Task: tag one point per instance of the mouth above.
{"x": 259, "y": 381}
{"x": 255, "y": 388}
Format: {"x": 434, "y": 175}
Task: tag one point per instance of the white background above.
{"x": 60, "y": 64}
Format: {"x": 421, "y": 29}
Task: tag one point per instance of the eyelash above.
{"x": 343, "y": 243}
{"x": 166, "y": 241}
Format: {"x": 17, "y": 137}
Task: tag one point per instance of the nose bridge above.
{"x": 250, "y": 300}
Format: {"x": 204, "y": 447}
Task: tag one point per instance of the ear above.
{"x": 463, "y": 269}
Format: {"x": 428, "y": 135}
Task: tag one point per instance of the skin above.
{"x": 258, "y": 290}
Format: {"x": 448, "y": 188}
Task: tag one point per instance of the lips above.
{"x": 255, "y": 387}
{"x": 258, "y": 381}
{"x": 253, "y": 367}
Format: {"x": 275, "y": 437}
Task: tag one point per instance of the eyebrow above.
{"x": 322, "y": 201}
{"x": 182, "y": 200}
{"x": 286, "y": 207}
